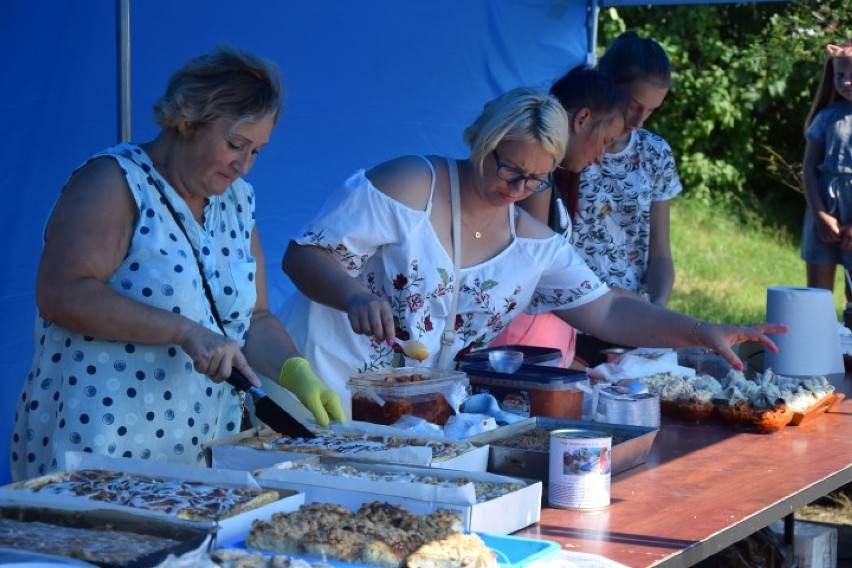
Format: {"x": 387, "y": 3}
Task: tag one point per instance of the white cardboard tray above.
{"x": 226, "y": 454}
{"x": 229, "y": 529}
{"x": 501, "y": 515}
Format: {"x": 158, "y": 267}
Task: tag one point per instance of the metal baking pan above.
{"x": 629, "y": 449}
{"x": 189, "y": 537}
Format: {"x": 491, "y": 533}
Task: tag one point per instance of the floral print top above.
{"x": 612, "y": 228}
{"x": 395, "y": 252}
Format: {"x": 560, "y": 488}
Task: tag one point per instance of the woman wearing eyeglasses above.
{"x": 376, "y": 264}
{"x": 596, "y": 107}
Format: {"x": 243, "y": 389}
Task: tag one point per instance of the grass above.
{"x": 723, "y": 269}
{"x": 724, "y": 266}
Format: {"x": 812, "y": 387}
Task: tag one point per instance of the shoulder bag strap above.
{"x": 448, "y": 337}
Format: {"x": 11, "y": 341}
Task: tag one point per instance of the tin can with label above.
{"x": 580, "y": 469}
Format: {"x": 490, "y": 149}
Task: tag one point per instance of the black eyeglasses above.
{"x": 513, "y": 175}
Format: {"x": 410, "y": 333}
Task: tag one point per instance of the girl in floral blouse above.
{"x": 621, "y": 220}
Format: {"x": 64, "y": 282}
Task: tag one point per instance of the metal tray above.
{"x": 189, "y": 537}
{"x": 534, "y": 464}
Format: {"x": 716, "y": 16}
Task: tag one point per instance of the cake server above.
{"x": 267, "y": 410}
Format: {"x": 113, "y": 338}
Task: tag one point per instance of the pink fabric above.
{"x": 543, "y": 330}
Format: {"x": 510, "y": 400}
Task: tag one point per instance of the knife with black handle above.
{"x": 267, "y": 410}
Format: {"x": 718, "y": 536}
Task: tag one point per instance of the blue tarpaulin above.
{"x": 365, "y": 81}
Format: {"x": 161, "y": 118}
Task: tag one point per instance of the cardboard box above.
{"x": 45, "y": 535}
{"x": 814, "y": 545}
{"x": 503, "y": 514}
{"x": 227, "y": 454}
{"x": 230, "y": 529}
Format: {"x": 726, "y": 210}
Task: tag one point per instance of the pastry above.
{"x": 105, "y": 546}
{"x": 331, "y": 443}
{"x": 455, "y": 551}
{"x": 191, "y": 500}
{"x": 773, "y": 419}
{"x": 378, "y": 534}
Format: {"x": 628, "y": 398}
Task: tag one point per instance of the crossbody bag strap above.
{"x": 206, "y": 285}
{"x": 448, "y": 337}
{"x": 168, "y": 203}
{"x": 245, "y": 415}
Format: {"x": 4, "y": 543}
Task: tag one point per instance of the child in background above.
{"x": 827, "y": 227}
{"x": 621, "y": 222}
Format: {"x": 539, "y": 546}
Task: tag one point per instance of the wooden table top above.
{"x": 706, "y": 486}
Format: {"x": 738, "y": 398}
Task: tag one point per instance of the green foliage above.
{"x": 744, "y": 78}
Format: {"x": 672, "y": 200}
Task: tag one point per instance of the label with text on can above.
{"x": 580, "y": 467}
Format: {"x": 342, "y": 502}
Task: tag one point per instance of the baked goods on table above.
{"x": 190, "y": 500}
{"x": 332, "y": 443}
{"x": 769, "y": 402}
{"x": 384, "y": 396}
{"x": 483, "y": 490}
{"x": 433, "y": 408}
{"x": 378, "y": 534}
{"x": 452, "y": 552}
{"x": 100, "y": 545}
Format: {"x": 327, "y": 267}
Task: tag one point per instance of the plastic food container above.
{"x": 382, "y": 397}
{"x": 548, "y": 356}
{"x": 532, "y": 390}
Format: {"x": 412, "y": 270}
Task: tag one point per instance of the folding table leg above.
{"x": 789, "y": 541}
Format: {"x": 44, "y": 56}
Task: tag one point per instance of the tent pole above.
{"x": 123, "y": 74}
{"x": 592, "y": 13}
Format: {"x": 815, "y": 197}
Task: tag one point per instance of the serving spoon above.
{"x": 413, "y": 349}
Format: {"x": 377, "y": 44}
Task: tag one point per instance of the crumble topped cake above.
{"x": 189, "y": 500}
{"x": 378, "y": 534}
{"x": 457, "y": 550}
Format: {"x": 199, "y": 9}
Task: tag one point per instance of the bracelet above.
{"x": 695, "y": 333}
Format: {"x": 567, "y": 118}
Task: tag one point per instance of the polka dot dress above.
{"x": 138, "y": 400}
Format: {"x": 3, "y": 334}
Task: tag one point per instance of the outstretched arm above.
{"x": 629, "y": 321}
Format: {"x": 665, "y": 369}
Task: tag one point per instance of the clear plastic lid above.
{"x": 527, "y": 377}
{"x": 407, "y": 381}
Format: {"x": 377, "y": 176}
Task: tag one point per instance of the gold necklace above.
{"x": 478, "y": 234}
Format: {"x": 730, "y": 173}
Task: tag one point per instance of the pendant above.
{"x": 477, "y": 234}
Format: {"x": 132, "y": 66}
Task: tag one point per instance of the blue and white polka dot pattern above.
{"x": 139, "y": 400}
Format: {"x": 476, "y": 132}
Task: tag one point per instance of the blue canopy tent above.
{"x": 365, "y": 81}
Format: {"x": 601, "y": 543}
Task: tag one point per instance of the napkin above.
{"x": 640, "y": 363}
